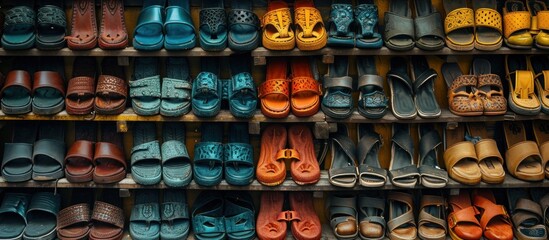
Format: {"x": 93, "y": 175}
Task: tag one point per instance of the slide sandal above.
{"x": 304, "y": 167}
{"x": 48, "y": 88}
{"x": 522, "y": 158}
{"x": 146, "y": 158}
{"x": 306, "y": 90}
{"x": 238, "y": 156}
{"x": 308, "y": 225}
{"x": 462, "y": 98}
{"x": 367, "y": 18}
{"x": 83, "y": 26}
{"x": 176, "y": 163}
{"x": 402, "y": 89}
{"x": 309, "y": 27}
{"x": 268, "y": 225}
{"x": 207, "y": 217}
{"x": 459, "y": 25}
{"x": 372, "y": 101}
{"x": 429, "y": 32}
{"x": 424, "y": 79}
{"x": 81, "y": 88}
{"x": 51, "y": 25}
{"x": 179, "y": 26}
{"x": 17, "y": 159}
{"x": 431, "y": 175}
{"x": 174, "y": 212}
{"x": 402, "y": 170}
{"x": 148, "y": 34}
{"x": 338, "y": 86}
{"x": 145, "y": 89}
{"x": 343, "y": 215}
{"x": 79, "y": 159}
{"x": 274, "y": 93}
{"x": 207, "y": 90}
{"x": 271, "y": 167}
{"x": 107, "y": 217}
{"x": 517, "y": 22}
{"x": 42, "y": 216}
{"x": 399, "y": 26}
{"x": 462, "y": 221}
{"x": 494, "y": 219}
{"x": 239, "y": 216}
{"x": 278, "y": 33}
{"x": 489, "y": 88}
{"x": 112, "y": 89}
{"x": 460, "y": 157}
{"x": 242, "y": 94}
{"x": 176, "y": 88}
{"x": 432, "y": 218}
{"x": 145, "y": 219}
{"x": 17, "y": 89}
{"x": 13, "y": 217}
{"x": 342, "y": 171}
{"x": 401, "y": 223}
{"x": 19, "y": 27}
{"x": 48, "y": 153}
{"x": 208, "y": 155}
{"x": 340, "y": 24}
{"x": 527, "y": 215}
{"x": 74, "y": 221}
{"x": 370, "y": 172}
{"x": 541, "y": 134}
{"x": 522, "y": 97}
{"x": 213, "y": 26}
{"x": 244, "y": 26}
{"x": 109, "y": 158}
{"x": 540, "y": 23}
{"x": 488, "y": 25}
{"x": 371, "y": 208}
{"x": 540, "y": 67}
{"x": 113, "y": 33}
{"x": 490, "y": 160}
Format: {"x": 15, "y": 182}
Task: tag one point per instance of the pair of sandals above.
{"x": 525, "y": 23}
{"x": 351, "y": 216}
{"x": 342, "y": 20}
{"x": 527, "y": 87}
{"x": 526, "y": 159}
{"x": 528, "y": 210}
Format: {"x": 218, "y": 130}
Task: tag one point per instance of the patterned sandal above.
{"x": 516, "y": 25}
{"x": 277, "y": 31}
{"x": 274, "y": 93}
{"x": 462, "y": 99}
{"x": 213, "y": 26}
{"x": 488, "y": 25}
{"x": 459, "y": 25}
{"x": 306, "y": 90}
{"x": 372, "y": 101}
{"x": 489, "y": 88}
{"x": 310, "y": 32}
{"x": 367, "y": 17}
{"x": 340, "y": 24}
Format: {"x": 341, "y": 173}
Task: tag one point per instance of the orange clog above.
{"x": 306, "y": 90}
{"x": 277, "y": 27}
{"x": 305, "y": 170}
{"x": 271, "y": 168}
{"x": 274, "y": 93}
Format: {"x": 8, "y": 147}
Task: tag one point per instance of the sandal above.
{"x": 340, "y": 23}
{"x": 367, "y": 17}
{"x": 48, "y": 154}
{"x": 541, "y": 196}
{"x": 178, "y": 27}
{"x": 148, "y": 34}
{"x": 83, "y": 26}
{"x": 402, "y": 89}
{"x": 459, "y": 25}
{"x": 19, "y": 27}
{"x": 463, "y": 98}
{"x": 431, "y": 175}
{"x": 107, "y": 218}
{"x": 399, "y": 26}
{"x": 337, "y": 101}
{"x": 269, "y": 225}
{"x": 48, "y": 88}
{"x": 51, "y": 25}
{"x": 462, "y": 221}
{"x": 306, "y": 90}
{"x": 305, "y": 222}
{"x": 271, "y": 167}
{"x": 17, "y": 89}
{"x": 424, "y": 88}
{"x": 370, "y": 172}
{"x": 243, "y": 26}
{"x": 146, "y": 157}
{"x": 429, "y": 33}
{"x": 342, "y": 171}
{"x": 81, "y": 88}
{"x": 402, "y": 170}
{"x": 516, "y": 25}
{"x": 372, "y": 101}
{"x": 309, "y": 27}
{"x": 488, "y": 29}
{"x": 241, "y": 89}
{"x": 145, "y": 219}
{"x": 342, "y": 215}
{"x": 432, "y": 218}
{"x": 540, "y": 26}
{"x": 207, "y": 90}
{"x": 13, "y": 215}
{"x": 238, "y": 156}
{"x": 207, "y": 216}
{"x": 541, "y": 134}
{"x": 239, "y": 216}
{"x": 113, "y": 33}
{"x": 213, "y": 26}
{"x": 494, "y": 220}
{"x": 208, "y": 155}
{"x": 176, "y": 163}
{"x": 73, "y": 222}
{"x": 277, "y": 27}
{"x": 79, "y": 159}
{"x": 401, "y": 224}
{"x": 145, "y": 89}
{"x": 176, "y": 88}
{"x": 489, "y": 88}
{"x": 112, "y": 89}
{"x": 304, "y": 167}
{"x": 539, "y": 65}
{"x": 460, "y": 157}
{"x": 372, "y": 225}
{"x": 526, "y": 214}
{"x": 17, "y": 159}
{"x": 274, "y": 93}
{"x": 42, "y": 216}
{"x": 109, "y": 158}
{"x": 522, "y": 97}
{"x": 175, "y": 217}
{"x": 490, "y": 161}
{"x": 522, "y": 158}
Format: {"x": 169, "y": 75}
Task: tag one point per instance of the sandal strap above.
{"x": 206, "y": 82}
{"x": 465, "y": 215}
{"x": 488, "y": 148}
{"x": 526, "y": 210}
{"x": 428, "y": 143}
{"x": 341, "y": 18}
{"x": 274, "y": 86}
{"x": 48, "y": 79}
{"x": 280, "y": 19}
{"x": 146, "y": 87}
{"x": 50, "y": 17}
{"x": 402, "y": 77}
{"x": 405, "y": 142}
{"x": 80, "y": 149}
{"x": 375, "y": 99}
{"x": 543, "y": 20}
{"x": 78, "y": 213}
{"x": 307, "y": 18}
{"x": 341, "y": 82}
{"x": 243, "y": 16}
{"x": 370, "y": 79}
{"x": 17, "y": 151}
{"x": 207, "y": 152}
{"x": 174, "y": 149}
{"x": 146, "y": 212}
{"x": 146, "y": 151}
{"x": 16, "y": 203}
{"x": 289, "y": 154}
{"x": 81, "y": 86}
{"x": 171, "y": 211}
{"x": 405, "y": 218}
{"x": 425, "y": 217}
{"x": 458, "y": 19}
{"x": 238, "y": 153}
{"x": 179, "y": 16}
{"x": 489, "y": 18}
{"x": 240, "y": 222}
{"x": 50, "y": 148}
{"x": 491, "y": 210}
{"x": 368, "y": 142}
{"x": 106, "y": 150}
{"x": 306, "y": 84}
{"x": 523, "y": 84}
{"x": 424, "y": 26}
{"x": 206, "y": 224}
{"x": 18, "y": 78}
{"x": 107, "y": 213}
{"x": 370, "y": 202}
{"x": 108, "y": 85}
{"x": 463, "y": 81}
{"x": 396, "y": 25}
{"x": 459, "y": 151}
{"x": 516, "y": 21}
{"x": 44, "y": 202}
{"x": 519, "y": 152}
{"x": 19, "y": 17}
{"x": 289, "y": 216}
{"x": 214, "y": 19}
{"x": 424, "y": 78}
{"x": 242, "y": 84}
{"x": 492, "y": 80}
{"x": 176, "y": 89}
{"x": 366, "y": 16}
{"x": 345, "y": 144}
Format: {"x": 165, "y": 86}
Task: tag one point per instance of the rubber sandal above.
{"x": 148, "y": 34}
{"x": 522, "y": 158}
{"x": 342, "y": 171}
{"x": 277, "y": 27}
{"x": 73, "y": 222}
{"x": 490, "y": 160}
{"x": 402, "y": 170}
{"x": 306, "y": 90}
{"x": 340, "y": 23}
{"x": 13, "y": 215}
{"x": 19, "y": 27}
{"x": 239, "y": 216}
{"x": 541, "y": 196}
{"x": 424, "y": 88}
{"x": 429, "y": 32}
{"x": 241, "y": 89}
{"x": 541, "y": 134}
{"x": 516, "y": 25}
{"x": 399, "y": 26}
{"x": 244, "y": 26}
{"x": 238, "y": 156}
{"x": 401, "y": 224}
{"x": 494, "y": 220}
{"x": 489, "y": 88}
{"x": 109, "y": 158}
{"x": 51, "y": 25}
{"x": 207, "y": 90}
{"x": 176, "y": 88}
{"x": 372, "y": 101}
{"x": 113, "y": 33}
{"x": 460, "y": 157}
{"x": 274, "y": 93}
{"x": 488, "y": 25}
{"x": 539, "y": 65}
{"x": 338, "y": 86}
{"x": 176, "y": 163}
{"x": 175, "y": 215}
{"x": 42, "y": 216}
{"x": 207, "y": 216}
{"x": 83, "y": 26}
{"x": 462, "y": 221}
{"x": 271, "y": 167}
{"x": 48, "y": 88}
{"x": 269, "y": 224}
{"x": 402, "y": 89}
{"x": 107, "y": 218}
{"x": 145, "y": 89}
{"x": 366, "y": 16}
{"x": 213, "y": 26}
{"x": 432, "y": 218}
{"x": 463, "y": 99}
{"x": 17, "y": 159}
{"x": 145, "y": 219}
{"x": 431, "y": 175}
{"x": 304, "y": 167}
{"x": 208, "y": 155}
{"x": 526, "y": 214}
{"x": 48, "y": 154}
{"x": 540, "y": 23}
{"x": 309, "y": 27}
{"x": 522, "y": 97}
{"x": 17, "y": 89}
{"x": 372, "y": 225}
{"x": 343, "y": 215}
{"x": 459, "y": 25}
{"x": 179, "y": 26}
{"x": 305, "y": 222}
{"x": 146, "y": 157}
{"x": 112, "y": 89}
{"x": 81, "y": 87}
{"x": 79, "y": 159}
{"x": 370, "y": 172}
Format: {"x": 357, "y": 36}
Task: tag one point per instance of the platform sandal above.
{"x": 48, "y": 88}
{"x": 109, "y": 157}
{"x": 81, "y": 87}
{"x": 145, "y": 90}
{"x": 244, "y": 26}
{"x": 242, "y": 93}
{"x": 460, "y": 157}
{"x": 304, "y": 167}
{"x": 42, "y": 216}
{"x": 306, "y": 90}
{"x": 271, "y": 168}
{"x": 277, "y": 26}
{"x": 522, "y": 97}
{"x": 340, "y": 23}
{"x": 174, "y": 213}
{"x": 176, "y": 88}
{"x": 178, "y": 27}
{"x": 541, "y": 134}
{"x": 113, "y": 33}
{"x": 48, "y": 154}
{"x": 239, "y": 214}
{"x": 462, "y": 221}
{"x": 213, "y": 26}
{"x": 17, "y": 89}
{"x": 148, "y": 34}
{"x": 274, "y": 93}
{"x": 540, "y": 23}
{"x": 51, "y": 25}
{"x": 112, "y": 90}
{"x": 207, "y": 90}
{"x": 20, "y": 27}
{"x": 17, "y": 160}
{"x": 488, "y": 25}
{"x": 79, "y": 159}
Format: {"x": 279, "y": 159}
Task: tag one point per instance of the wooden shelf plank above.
{"x": 127, "y": 52}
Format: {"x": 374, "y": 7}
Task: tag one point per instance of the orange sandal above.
{"x": 462, "y": 223}
{"x": 306, "y": 90}
{"x": 275, "y": 91}
{"x": 310, "y": 31}
{"x": 271, "y": 168}
{"x": 494, "y": 219}
{"x": 277, "y": 31}
{"x": 305, "y": 170}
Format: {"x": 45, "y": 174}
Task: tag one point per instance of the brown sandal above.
{"x": 401, "y": 224}
{"x": 305, "y": 169}
{"x": 463, "y": 100}
{"x": 108, "y": 222}
{"x": 81, "y": 89}
{"x": 489, "y": 88}
{"x": 490, "y": 160}
{"x": 494, "y": 220}
{"x": 74, "y": 222}
{"x": 84, "y": 27}
{"x": 112, "y": 89}
{"x": 79, "y": 159}
{"x": 109, "y": 158}
{"x": 523, "y": 158}
{"x": 113, "y": 33}
{"x": 432, "y": 218}
{"x": 541, "y": 133}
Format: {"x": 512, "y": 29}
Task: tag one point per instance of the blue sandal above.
{"x": 239, "y": 216}
{"x": 179, "y": 27}
{"x": 338, "y": 101}
{"x": 208, "y": 155}
{"x": 19, "y": 27}
{"x": 145, "y": 217}
{"x": 207, "y": 92}
{"x": 243, "y": 26}
{"x": 176, "y": 88}
{"x": 241, "y": 89}
{"x": 13, "y": 215}
{"x": 213, "y": 26}
{"x": 146, "y": 154}
{"x": 145, "y": 87}
{"x": 42, "y": 216}
{"x": 176, "y": 163}
{"x": 366, "y": 16}
{"x": 372, "y": 101}
{"x": 239, "y": 156}
{"x": 340, "y": 24}
{"x": 148, "y": 34}
{"x": 207, "y": 216}
{"x": 175, "y": 215}
{"x": 17, "y": 160}
{"x": 51, "y": 25}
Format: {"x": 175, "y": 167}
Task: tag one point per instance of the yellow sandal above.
{"x": 516, "y": 25}
{"x": 277, "y": 31}
{"x": 310, "y": 31}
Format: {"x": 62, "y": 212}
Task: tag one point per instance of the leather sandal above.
{"x": 176, "y": 88}
{"x": 372, "y": 100}
{"x": 541, "y": 196}
{"x": 494, "y": 220}
{"x": 83, "y": 26}
{"x": 489, "y": 88}
{"x": 342, "y": 171}
{"x": 178, "y": 26}
{"x": 340, "y": 24}
{"x": 17, "y": 88}
{"x": 148, "y": 34}
{"x": 109, "y": 158}
{"x": 274, "y": 93}
{"x": 402, "y": 90}
{"x": 522, "y": 96}
{"x": 541, "y": 134}
{"x": 242, "y": 93}
{"x": 112, "y": 89}
{"x": 539, "y": 65}
{"x": 399, "y": 26}
{"x": 309, "y": 27}
{"x": 367, "y": 18}
{"x": 488, "y": 25}
{"x": 19, "y": 28}
{"x": 490, "y": 160}
{"x": 176, "y": 163}
{"x": 429, "y": 32}
{"x": 372, "y": 225}
{"x": 145, "y": 90}
{"x": 208, "y": 155}
{"x": 244, "y": 26}
{"x": 271, "y": 222}
{"x": 73, "y": 222}
{"x": 516, "y": 25}
{"x": 277, "y": 27}
{"x": 463, "y": 100}
{"x": 304, "y": 220}
{"x": 48, "y": 88}
{"x": 145, "y": 218}
{"x": 146, "y": 157}
{"x": 540, "y": 23}
{"x": 343, "y": 215}
{"x": 213, "y": 26}
{"x": 238, "y": 156}
{"x": 107, "y": 218}
{"x": 402, "y": 170}
{"x": 304, "y": 167}
{"x": 424, "y": 88}
{"x": 271, "y": 168}
{"x": 207, "y": 216}
{"x": 337, "y": 101}
{"x": 207, "y": 90}
{"x": 460, "y": 157}
{"x": 174, "y": 212}
{"x": 48, "y": 153}
{"x": 13, "y": 212}
{"x": 401, "y": 224}
{"x": 17, "y": 159}
{"x": 527, "y": 215}
{"x": 370, "y": 172}
{"x": 432, "y": 218}
{"x": 523, "y": 159}
{"x": 306, "y": 90}
{"x": 81, "y": 88}
{"x": 459, "y": 25}
{"x": 431, "y": 175}
{"x": 462, "y": 221}
{"x": 113, "y": 33}
{"x": 42, "y": 216}
{"x": 79, "y": 159}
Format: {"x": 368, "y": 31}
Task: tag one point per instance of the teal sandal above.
{"x": 207, "y": 216}
{"x": 48, "y": 154}
{"x": 49, "y": 87}
{"x": 372, "y": 100}
{"x": 213, "y": 26}
{"x": 148, "y": 34}
{"x": 175, "y": 216}
{"x": 17, "y": 159}
{"x": 13, "y": 217}
{"x": 239, "y": 216}
{"x": 145, "y": 86}
{"x": 338, "y": 101}
{"x": 179, "y": 27}
{"x": 146, "y": 155}
{"x": 340, "y": 24}
{"x": 176, "y": 164}
{"x": 176, "y": 88}
{"x": 208, "y": 155}
{"x": 241, "y": 89}
{"x": 145, "y": 218}
{"x": 42, "y": 216}
{"x": 239, "y": 156}
{"x": 367, "y": 17}
{"x": 51, "y": 25}
{"x": 207, "y": 91}
{"x": 19, "y": 27}
{"x": 244, "y": 26}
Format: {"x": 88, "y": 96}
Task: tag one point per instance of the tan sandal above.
{"x": 523, "y": 158}
{"x": 541, "y": 133}
{"x": 463, "y": 100}
{"x": 490, "y": 161}
{"x": 460, "y": 157}
{"x": 432, "y": 218}
{"x": 401, "y": 224}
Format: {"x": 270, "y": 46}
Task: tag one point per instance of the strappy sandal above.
{"x": 541, "y": 134}
{"x": 539, "y": 65}
{"x": 19, "y": 27}
{"x": 489, "y": 88}
{"x": 399, "y": 26}
{"x": 242, "y": 94}
{"x": 113, "y": 33}
{"x": 207, "y": 90}
{"x": 463, "y": 100}
{"x": 424, "y": 79}
{"x": 79, "y": 159}
{"x": 309, "y": 27}
{"x": 146, "y": 157}
{"x": 337, "y": 101}
{"x": 490, "y": 160}
{"x": 540, "y": 23}
{"x": 429, "y": 32}
{"x": 488, "y": 25}
{"x": 13, "y": 218}
{"x": 460, "y": 157}
{"x": 367, "y": 17}
{"x": 401, "y": 224}
{"x": 370, "y": 172}
{"x": 527, "y": 215}
{"x": 516, "y": 25}
{"x": 176, "y": 163}
{"x": 462, "y": 221}
{"x": 402, "y": 89}
{"x": 402, "y": 170}
{"x": 522, "y": 97}
{"x": 207, "y": 216}
{"x": 372, "y": 101}
{"x": 81, "y": 88}
{"x": 145, "y": 218}
{"x": 148, "y": 34}
{"x": 51, "y": 25}
{"x": 274, "y": 93}
{"x": 208, "y": 155}
{"x": 277, "y": 26}
{"x": 178, "y": 27}
{"x": 109, "y": 158}
{"x": 342, "y": 171}
{"x": 306, "y": 90}
{"x": 340, "y": 23}
{"x": 431, "y": 175}
{"x": 343, "y": 215}
{"x": 83, "y": 26}
{"x": 459, "y": 25}
{"x": 17, "y": 159}
{"x": 238, "y": 156}
{"x": 243, "y": 26}
{"x": 213, "y": 26}
{"x": 48, "y": 153}
{"x": 522, "y": 158}
{"x": 432, "y": 218}
{"x": 112, "y": 89}
{"x": 541, "y": 196}
{"x": 176, "y": 88}
{"x": 372, "y": 225}
{"x": 494, "y": 220}
{"x": 271, "y": 169}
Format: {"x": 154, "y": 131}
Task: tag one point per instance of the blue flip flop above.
{"x": 179, "y": 27}
{"x": 239, "y": 156}
{"x": 176, "y": 163}
{"x": 145, "y": 86}
{"x": 42, "y": 216}
{"x": 145, "y": 217}
{"x": 243, "y": 26}
{"x": 19, "y": 27}
{"x": 239, "y": 216}
{"x": 148, "y": 34}
{"x": 175, "y": 215}
{"x": 176, "y": 88}
{"x": 13, "y": 215}
{"x": 207, "y": 92}
{"x": 146, "y": 154}
{"x": 340, "y": 24}
{"x": 241, "y": 89}
{"x": 208, "y": 155}
{"x": 213, "y": 26}
{"x": 207, "y": 216}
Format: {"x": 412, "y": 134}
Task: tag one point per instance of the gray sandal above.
{"x": 402, "y": 170}
{"x": 372, "y": 225}
{"x": 342, "y": 172}
{"x": 432, "y": 176}
{"x": 370, "y": 172}
{"x": 338, "y": 101}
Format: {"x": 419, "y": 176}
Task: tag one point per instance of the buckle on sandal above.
{"x": 288, "y": 216}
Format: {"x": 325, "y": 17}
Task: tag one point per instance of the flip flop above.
{"x": 175, "y": 217}
{"x": 42, "y": 216}
{"x": 372, "y": 225}
{"x": 462, "y": 221}
{"x": 13, "y": 218}
{"x": 241, "y": 88}
{"x": 488, "y": 25}
{"x": 431, "y": 175}
{"x": 399, "y": 26}
{"x": 424, "y": 88}
{"x": 343, "y": 215}
{"x": 146, "y": 158}
{"x": 113, "y": 33}
{"x": 239, "y": 214}
{"x": 402, "y": 102}
{"x": 17, "y": 89}
{"x": 517, "y": 23}
{"x": 213, "y": 26}
{"x": 490, "y": 160}
{"x": 81, "y": 87}
{"x": 207, "y": 216}
{"x": 370, "y": 172}
{"x": 306, "y": 90}
{"x": 145, "y": 89}
{"x": 522, "y": 97}
{"x": 540, "y": 66}
{"x": 494, "y": 219}
{"x": 112, "y": 90}
{"x": 51, "y": 25}
{"x": 401, "y": 223}
{"x": 527, "y": 215}
{"x": 48, "y": 88}
{"x": 48, "y": 153}
{"x": 338, "y": 86}
{"x": 278, "y": 33}
{"x": 176, "y": 88}
{"x": 208, "y": 155}
{"x": 79, "y": 159}
{"x": 17, "y": 159}
{"x": 539, "y": 28}
{"x": 178, "y": 26}
{"x": 107, "y": 217}
{"x": 372, "y": 101}
{"x": 109, "y": 158}
{"x": 145, "y": 219}
{"x": 309, "y": 27}
{"x": 83, "y": 26}
{"x": 238, "y": 156}
{"x": 176, "y": 163}
{"x": 367, "y": 17}
{"x": 402, "y": 170}
{"x": 429, "y": 33}
{"x": 148, "y": 34}
{"x": 432, "y": 218}
{"x": 274, "y": 93}
{"x": 460, "y": 157}
{"x": 459, "y": 25}
{"x": 523, "y": 159}
{"x": 541, "y": 134}
{"x": 304, "y": 167}
{"x": 19, "y": 27}
{"x": 342, "y": 171}
{"x": 462, "y": 97}
{"x": 244, "y": 26}
{"x": 489, "y": 88}
{"x": 271, "y": 169}
{"x": 340, "y": 24}
{"x": 207, "y": 90}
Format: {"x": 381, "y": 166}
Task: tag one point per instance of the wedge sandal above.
{"x": 429, "y": 32}
{"x": 431, "y": 175}
{"x": 462, "y": 221}
{"x": 367, "y": 18}
{"x": 17, "y": 160}
{"x": 372, "y": 100}
{"x": 109, "y": 156}
{"x": 208, "y": 155}
{"x": 238, "y": 156}
{"x": 402, "y": 89}
{"x": 494, "y": 219}
{"x": 145, "y": 90}
{"x": 340, "y": 23}
{"x": 145, "y": 219}
{"x": 271, "y": 169}
{"x": 42, "y": 216}
{"x": 459, "y": 25}
{"x": 176, "y": 163}
{"x": 516, "y": 25}
{"x": 522, "y": 97}
{"x": 372, "y": 225}
{"x": 337, "y": 101}
{"x": 489, "y": 88}
{"x": 305, "y": 89}
{"x": 342, "y": 171}
{"x": 13, "y": 215}
{"x": 490, "y": 160}
{"x": 463, "y": 100}
{"x": 277, "y": 27}
{"x": 488, "y": 25}
{"x": 523, "y": 159}
{"x": 146, "y": 157}
{"x": 343, "y": 215}
{"x": 274, "y": 93}
{"x": 370, "y": 172}
{"x": 48, "y": 154}
{"x": 432, "y": 218}
{"x": 539, "y": 65}
{"x": 402, "y": 170}
{"x": 424, "y": 88}
{"x": 527, "y": 215}
{"x": 401, "y": 222}
{"x": 460, "y": 157}
{"x": 399, "y": 26}
{"x": 176, "y": 88}
{"x": 309, "y": 27}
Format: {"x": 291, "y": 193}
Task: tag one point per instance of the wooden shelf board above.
{"x": 126, "y": 52}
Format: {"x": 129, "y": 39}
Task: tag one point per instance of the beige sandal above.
{"x": 490, "y": 161}
{"x": 460, "y": 157}
{"x": 523, "y": 158}
{"x": 541, "y": 133}
{"x": 401, "y": 224}
{"x": 432, "y": 218}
